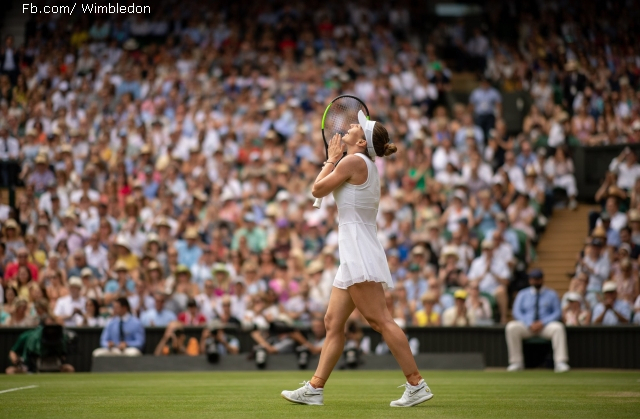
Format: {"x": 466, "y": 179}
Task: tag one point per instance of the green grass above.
{"x": 353, "y": 394}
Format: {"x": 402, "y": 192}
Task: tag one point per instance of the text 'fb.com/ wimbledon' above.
{"x": 109, "y": 8}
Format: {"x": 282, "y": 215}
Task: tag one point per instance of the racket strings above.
{"x": 342, "y": 113}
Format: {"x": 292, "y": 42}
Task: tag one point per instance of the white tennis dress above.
{"x": 362, "y": 257}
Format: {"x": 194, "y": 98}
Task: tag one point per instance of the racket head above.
{"x": 339, "y": 115}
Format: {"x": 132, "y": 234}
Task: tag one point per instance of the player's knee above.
{"x": 331, "y": 325}
{"x": 378, "y": 323}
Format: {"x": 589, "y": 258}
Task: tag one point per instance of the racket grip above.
{"x": 317, "y": 203}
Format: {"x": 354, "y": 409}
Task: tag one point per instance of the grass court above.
{"x": 350, "y": 394}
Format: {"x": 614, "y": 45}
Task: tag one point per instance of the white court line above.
{"x": 16, "y": 389}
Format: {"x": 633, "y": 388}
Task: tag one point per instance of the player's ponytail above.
{"x": 381, "y": 142}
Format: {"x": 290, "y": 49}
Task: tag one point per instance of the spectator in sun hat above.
{"x": 611, "y": 311}
{"x": 428, "y": 315}
{"x": 458, "y": 315}
{"x": 183, "y": 288}
{"x": 450, "y": 270}
{"x": 74, "y": 235}
{"x": 594, "y": 268}
{"x": 221, "y": 278}
{"x": 120, "y": 286}
{"x": 624, "y": 273}
{"x": 125, "y": 255}
{"x": 70, "y": 308}
{"x": 91, "y": 288}
{"x": 42, "y": 175}
{"x": 573, "y": 314}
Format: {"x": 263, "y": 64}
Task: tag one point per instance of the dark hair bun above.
{"x": 389, "y": 149}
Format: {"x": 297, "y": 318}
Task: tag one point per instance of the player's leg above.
{"x": 369, "y": 299}
{"x": 340, "y": 307}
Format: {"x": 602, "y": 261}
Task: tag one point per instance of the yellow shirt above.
{"x": 130, "y": 260}
{"x": 421, "y": 319}
{"x": 39, "y": 257}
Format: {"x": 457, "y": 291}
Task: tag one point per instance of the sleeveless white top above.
{"x": 362, "y": 257}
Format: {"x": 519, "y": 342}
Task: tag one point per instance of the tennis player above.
{"x": 363, "y": 271}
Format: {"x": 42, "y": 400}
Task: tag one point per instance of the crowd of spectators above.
{"x": 167, "y": 161}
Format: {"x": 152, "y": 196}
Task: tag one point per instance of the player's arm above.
{"x": 333, "y": 178}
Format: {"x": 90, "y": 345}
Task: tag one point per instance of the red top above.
{"x": 12, "y": 271}
{"x": 188, "y": 320}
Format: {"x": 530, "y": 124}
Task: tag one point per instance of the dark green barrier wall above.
{"x": 589, "y": 347}
{"x": 591, "y": 165}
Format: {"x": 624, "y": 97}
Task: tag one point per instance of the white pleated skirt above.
{"x": 362, "y": 257}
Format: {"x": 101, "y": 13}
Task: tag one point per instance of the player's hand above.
{"x": 122, "y": 346}
{"x": 336, "y": 148}
{"x": 110, "y": 345}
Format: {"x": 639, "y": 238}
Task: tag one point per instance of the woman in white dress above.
{"x": 363, "y": 273}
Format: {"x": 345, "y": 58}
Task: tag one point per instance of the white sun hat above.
{"x": 367, "y": 127}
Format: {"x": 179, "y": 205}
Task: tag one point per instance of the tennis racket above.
{"x": 337, "y": 119}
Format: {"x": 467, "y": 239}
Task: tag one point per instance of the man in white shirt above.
{"x": 627, "y": 167}
{"x": 502, "y": 250}
{"x": 71, "y": 308}
{"x": 96, "y": 255}
{"x": 618, "y": 219}
{"x": 492, "y": 276}
{"x": 94, "y": 196}
{"x": 201, "y": 271}
{"x": 444, "y": 155}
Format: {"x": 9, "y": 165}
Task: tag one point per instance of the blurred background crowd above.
{"x": 168, "y": 158}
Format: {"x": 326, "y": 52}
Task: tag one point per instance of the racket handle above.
{"x": 317, "y": 203}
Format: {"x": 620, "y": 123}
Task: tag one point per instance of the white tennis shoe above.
{"x": 305, "y": 395}
{"x": 413, "y": 395}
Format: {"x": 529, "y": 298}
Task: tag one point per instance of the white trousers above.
{"x": 516, "y": 331}
{"x": 568, "y": 183}
{"x": 117, "y": 352}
